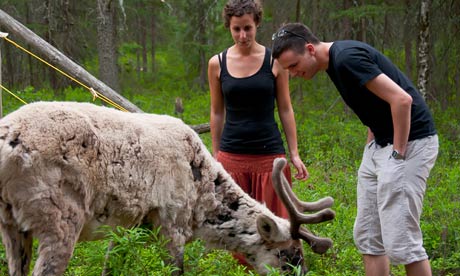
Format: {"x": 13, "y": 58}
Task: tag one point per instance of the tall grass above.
{"x": 331, "y": 139}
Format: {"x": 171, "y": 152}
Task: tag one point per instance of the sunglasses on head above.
{"x": 283, "y": 33}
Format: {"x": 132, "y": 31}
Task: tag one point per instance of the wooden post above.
{"x": 60, "y": 60}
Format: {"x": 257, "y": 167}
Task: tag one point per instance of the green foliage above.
{"x": 29, "y": 94}
{"x": 139, "y": 251}
{"x": 3, "y": 262}
{"x": 88, "y": 259}
{"x": 365, "y": 11}
{"x": 199, "y": 261}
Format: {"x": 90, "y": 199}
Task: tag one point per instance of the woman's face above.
{"x": 243, "y": 30}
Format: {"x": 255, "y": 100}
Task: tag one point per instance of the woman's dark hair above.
{"x": 241, "y": 7}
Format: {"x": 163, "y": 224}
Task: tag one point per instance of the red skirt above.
{"x": 254, "y": 175}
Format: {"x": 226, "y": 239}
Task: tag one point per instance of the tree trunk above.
{"x": 456, "y": 76}
{"x": 144, "y": 50}
{"x": 141, "y": 38}
{"x": 363, "y": 30}
{"x": 9, "y": 68}
{"x": 201, "y": 8}
{"x": 59, "y": 33}
{"x": 58, "y": 59}
{"x": 408, "y": 27}
{"x": 346, "y": 30}
{"x": 153, "y": 40}
{"x": 30, "y": 59}
{"x": 297, "y": 11}
{"x": 424, "y": 48}
{"x": 143, "y": 41}
{"x": 315, "y": 15}
{"x": 106, "y": 43}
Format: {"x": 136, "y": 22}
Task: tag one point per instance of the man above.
{"x": 402, "y": 144}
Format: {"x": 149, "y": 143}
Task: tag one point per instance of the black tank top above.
{"x": 250, "y": 126}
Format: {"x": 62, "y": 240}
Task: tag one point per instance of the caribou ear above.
{"x": 267, "y": 228}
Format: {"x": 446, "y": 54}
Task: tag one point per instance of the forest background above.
{"x": 154, "y": 51}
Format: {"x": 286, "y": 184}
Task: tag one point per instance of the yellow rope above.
{"x": 17, "y": 97}
{"x": 93, "y": 92}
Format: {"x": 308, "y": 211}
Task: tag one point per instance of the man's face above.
{"x": 300, "y": 65}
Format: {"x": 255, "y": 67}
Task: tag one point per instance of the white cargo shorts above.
{"x": 390, "y": 200}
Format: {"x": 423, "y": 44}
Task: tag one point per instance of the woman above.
{"x": 245, "y": 82}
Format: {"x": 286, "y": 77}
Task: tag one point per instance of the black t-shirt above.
{"x": 351, "y": 65}
{"x": 250, "y": 126}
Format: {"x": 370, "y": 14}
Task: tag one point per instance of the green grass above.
{"x": 330, "y": 143}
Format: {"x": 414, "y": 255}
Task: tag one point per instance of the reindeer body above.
{"x": 68, "y": 168}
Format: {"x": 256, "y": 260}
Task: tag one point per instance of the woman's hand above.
{"x": 302, "y": 172}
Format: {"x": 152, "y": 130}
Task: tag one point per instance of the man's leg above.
{"x": 421, "y": 268}
{"x": 401, "y": 189}
{"x": 376, "y": 265}
{"x": 367, "y": 230}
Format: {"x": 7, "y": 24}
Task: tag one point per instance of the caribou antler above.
{"x": 295, "y": 209}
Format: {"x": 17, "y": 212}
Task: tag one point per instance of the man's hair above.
{"x": 292, "y": 36}
{"x": 239, "y": 8}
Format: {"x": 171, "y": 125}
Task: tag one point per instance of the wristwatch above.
{"x": 396, "y": 155}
